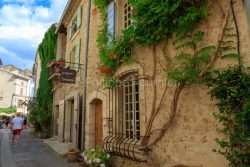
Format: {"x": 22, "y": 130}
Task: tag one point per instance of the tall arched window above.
{"x": 130, "y": 104}
{"x": 124, "y": 107}
{"x": 124, "y": 117}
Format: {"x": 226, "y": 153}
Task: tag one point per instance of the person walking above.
{"x": 17, "y": 126}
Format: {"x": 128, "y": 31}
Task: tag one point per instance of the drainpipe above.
{"x": 85, "y": 77}
{"x": 64, "y": 114}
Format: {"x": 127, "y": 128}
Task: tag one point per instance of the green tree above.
{"x": 41, "y": 114}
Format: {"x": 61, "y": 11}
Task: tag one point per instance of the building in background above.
{"x": 36, "y": 72}
{"x": 16, "y": 88}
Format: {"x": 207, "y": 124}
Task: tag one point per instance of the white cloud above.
{"x": 24, "y": 20}
{"x": 14, "y": 15}
{"x": 32, "y": 33}
{"x": 41, "y": 13}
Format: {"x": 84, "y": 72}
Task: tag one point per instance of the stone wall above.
{"x": 190, "y": 139}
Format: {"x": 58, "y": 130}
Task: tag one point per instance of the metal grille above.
{"x": 123, "y": 120}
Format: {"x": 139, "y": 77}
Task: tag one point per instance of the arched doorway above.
{"x": 98, "y": 122}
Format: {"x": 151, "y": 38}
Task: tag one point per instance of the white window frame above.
{"x": 131, "y": 107}
{"x": 127, "y": 15}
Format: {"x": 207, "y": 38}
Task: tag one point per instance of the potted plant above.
{"x": 72, "y": 154}
{"x": 96, "y": 157}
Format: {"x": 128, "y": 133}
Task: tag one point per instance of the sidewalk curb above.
{"x": 59, "y": 148}
{"x": 58, "y": 153}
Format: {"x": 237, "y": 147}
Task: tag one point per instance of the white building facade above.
{"x": 16, "y": 88}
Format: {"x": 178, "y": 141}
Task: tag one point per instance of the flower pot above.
{"x": 73, "y": 155}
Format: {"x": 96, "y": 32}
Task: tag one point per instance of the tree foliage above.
{"x": 231, "y": 88}
{"x": 153, "y": 22}
{"x": 41, "y": 114}
{"x": 8, "y": 110}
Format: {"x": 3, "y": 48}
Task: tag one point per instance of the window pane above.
{"x": 131, "y": 116}
{"x": 130, "y": 98}
{"x": 137, "y": 97}
{"x": 137, "y": 125}
{"x": 131, "y": 124}
{"x": 137, "y": 106}
{"x": 137, "y": 87}
{"x": 131, "y": 106}
{"x": 138, "y": 135}
{"x": 110, "y": 22}
{"x": 137, "y": 116}
{"x": 126, "y": 90}
{"x": 131, "y": 134}
{"x": 130, "y": 88}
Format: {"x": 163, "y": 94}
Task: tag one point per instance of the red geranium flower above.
{"x": 112, "y": 55}
{"x": 94, "y": 11}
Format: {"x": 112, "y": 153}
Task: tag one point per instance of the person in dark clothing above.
{"x": 7, "y": 121}
{"x": 25, "y": 122}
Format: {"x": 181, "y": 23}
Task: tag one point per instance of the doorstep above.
{"x": 59, "y": 147}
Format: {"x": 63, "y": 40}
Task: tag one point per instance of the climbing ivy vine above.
{"x": 41, "y": 113}
{"x": 179, "y": 17}
{"x": 231, "y": 88}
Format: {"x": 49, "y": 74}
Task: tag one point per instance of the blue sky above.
{"x": 22, "y": 26}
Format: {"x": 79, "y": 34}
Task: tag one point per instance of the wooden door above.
{"x": 98, "y": 124}
{"x": 71, "y": 121}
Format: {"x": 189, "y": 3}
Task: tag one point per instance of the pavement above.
{"x": 59, "y": 147}
{"x": 31, "y": 152}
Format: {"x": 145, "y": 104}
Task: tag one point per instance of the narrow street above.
{"x": 31, "y": 152}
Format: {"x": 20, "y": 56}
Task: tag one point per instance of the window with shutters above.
{"x": 127, "y": 13}
{"x": 74, "y": 27}
{"x": 75, "y": 24}
{"x": 74, "y": 56}
{"x": 111, "y": 22}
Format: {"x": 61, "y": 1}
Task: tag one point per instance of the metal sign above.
{"x": 68, "y": 76}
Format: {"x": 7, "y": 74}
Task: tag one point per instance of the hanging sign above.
{"x": 68, "y": 76}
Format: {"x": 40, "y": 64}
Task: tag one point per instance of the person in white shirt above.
{"x": 17, "y": 126}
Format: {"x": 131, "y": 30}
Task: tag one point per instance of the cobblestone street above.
{"x": 31, "y": 152}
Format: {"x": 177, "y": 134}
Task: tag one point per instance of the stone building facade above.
{"x": 86, "y": 114}
{"x": 16, "y": 88}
